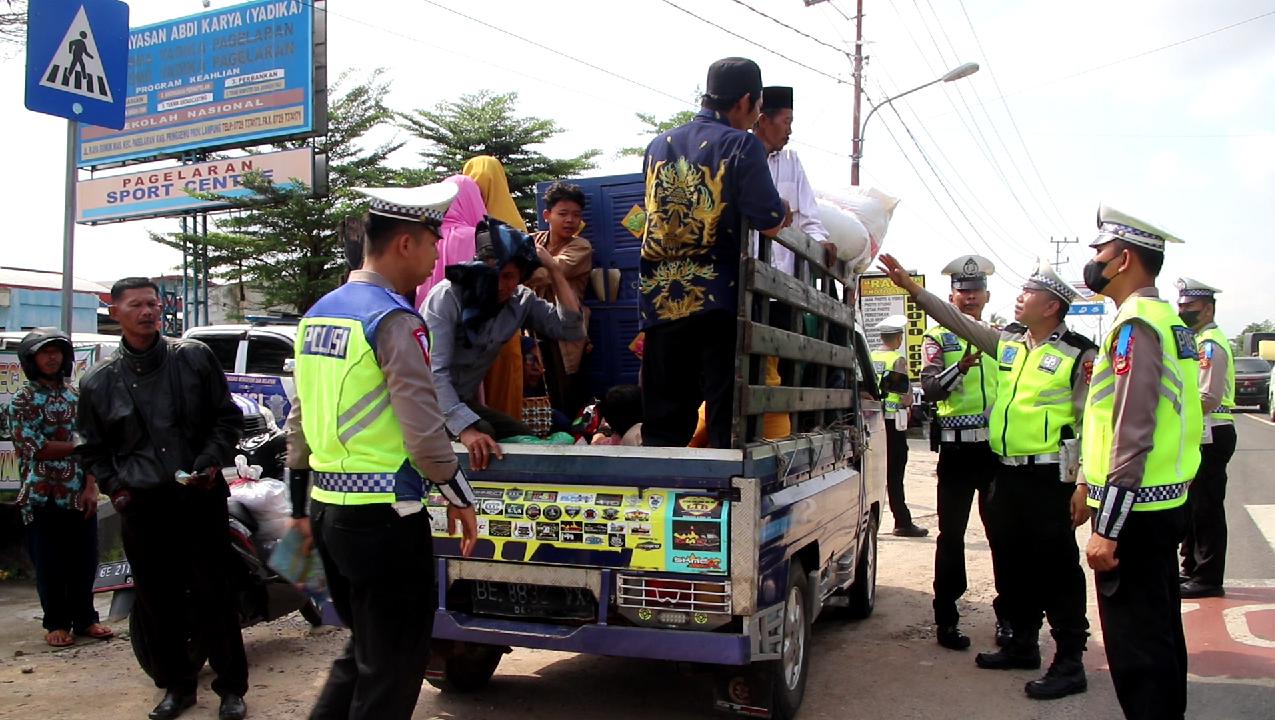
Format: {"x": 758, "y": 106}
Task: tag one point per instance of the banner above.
{"x": 220, "y": 79}
{"x": 11, "y": 381}
{"x": 879, "y": 298}
{"x": 158, "y": 193}
{"x": 638, "y": 529}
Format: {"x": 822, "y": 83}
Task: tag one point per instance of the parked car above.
{"x": 257, "y": 360}
{"x": 1252, "y": 383}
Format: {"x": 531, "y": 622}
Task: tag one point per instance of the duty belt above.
{"x": 1158, "y": 493}
{"x": 971, "y": 435}
{"x": 355, "y": 482}
{"x": 1019, "y": 460}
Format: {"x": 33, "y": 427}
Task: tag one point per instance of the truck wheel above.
{"x": 789, "y": 672}
{"x": 863, "y": 593}
{"x": 467, "y": 669}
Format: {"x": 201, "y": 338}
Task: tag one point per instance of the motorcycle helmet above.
{"x": 37, "y": 340}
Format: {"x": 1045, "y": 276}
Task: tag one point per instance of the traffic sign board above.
{"x": 1088, "y": 308}
{"x": 77, "y": 60}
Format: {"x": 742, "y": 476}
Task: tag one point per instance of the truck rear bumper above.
{"x": 651, "y": 643}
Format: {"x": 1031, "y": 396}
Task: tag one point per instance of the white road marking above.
{"x": 1264, "y": 518}
{"x": 1258, "y": 418}
{"x": 1237, "y": 625}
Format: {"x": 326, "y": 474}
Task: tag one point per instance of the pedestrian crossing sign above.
{"x": 77, "y": 59}
{"x": 76, "y": 66}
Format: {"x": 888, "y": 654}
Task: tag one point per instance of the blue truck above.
{"x": 721, "y": 558}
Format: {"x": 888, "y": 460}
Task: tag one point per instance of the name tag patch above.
{"x": 326, "y": 340}
{"x": 1184, "y": 337}
{"x": 1050, "y": 363}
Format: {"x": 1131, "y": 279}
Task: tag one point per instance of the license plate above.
{"x": 113, "y": 576}
{"x": 532, "y": 601}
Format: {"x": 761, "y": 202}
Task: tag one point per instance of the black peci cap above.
{"x": 733, "y": 77}
{"x": 776, "y": 97}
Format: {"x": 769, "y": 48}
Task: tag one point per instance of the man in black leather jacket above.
{"x": 157, "y": 424}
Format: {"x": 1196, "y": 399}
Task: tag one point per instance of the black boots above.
{"x": 1016, "y": 655}
{"x": 1066, "y": 676}
{"x": 173, "y": 704}
{"x": 951, "y": 637}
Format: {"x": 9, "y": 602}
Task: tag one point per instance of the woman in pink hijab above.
{"x": 456, "y": 236}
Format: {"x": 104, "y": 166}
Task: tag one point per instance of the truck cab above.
{"x": 718, "y": 557}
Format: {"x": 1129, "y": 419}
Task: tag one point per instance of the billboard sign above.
{"x": 234, "y": 77}
{"x": 880, "y": 298}
{"x": 167, "y": 191}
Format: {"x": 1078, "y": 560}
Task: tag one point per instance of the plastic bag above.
{"x": 266, "y": 498}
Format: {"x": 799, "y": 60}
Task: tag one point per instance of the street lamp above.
{"x": 856, "y": 154}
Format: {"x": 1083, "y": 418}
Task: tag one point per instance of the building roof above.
{"x": 45, "y": 280}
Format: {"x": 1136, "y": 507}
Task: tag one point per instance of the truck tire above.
{"x": 788, "y": 674}
{"x": 468, "y": 668}
{"x": 863, "y": 592}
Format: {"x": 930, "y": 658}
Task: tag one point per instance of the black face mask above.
{"x": 1190, "y": 317}
{"x": 1094, "y": 279}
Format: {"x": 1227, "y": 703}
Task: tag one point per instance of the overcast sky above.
{"x": 1076, "y": 104}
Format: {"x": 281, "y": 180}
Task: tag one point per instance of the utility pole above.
{"x": 1059, "y": 261}
{"x": 856, "y": 147}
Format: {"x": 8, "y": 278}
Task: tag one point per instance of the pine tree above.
{"x": 486, "y": 123}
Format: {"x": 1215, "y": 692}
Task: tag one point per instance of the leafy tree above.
{"x": 489, "y": 124}
{"x": 284, "y": 243}
{"x": 655, "y": 127}
{"x": 1237, "y": 342}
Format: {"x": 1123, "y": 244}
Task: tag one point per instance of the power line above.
{"x": 833, "y": 5}
{"x": 973, "y": 197}
{"x": 976, "y": 133}
{"x": 939, "y": 204}
{"x": 781, "y": 23}
{"x": 754, "y": 43}
{"x": 990, "y": 121}
{"x": 1136, "y": 56}
{"x": 1012, "y": 121}
{"x": 555, "y": 51}
{"x": 959, "y": 209}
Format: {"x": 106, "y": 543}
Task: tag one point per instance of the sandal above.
{"x": 97, "y": 631}
{"x": 59, "y": 638}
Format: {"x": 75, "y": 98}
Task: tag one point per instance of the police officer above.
{"x": 370, "y": 435}
{"x": 1204, "y": 548}
{"x": 1043, "y": 375}
{"x": 891, "y": 366}
{"x": 961, "y": 381}
{"x": 1143, "y": 423}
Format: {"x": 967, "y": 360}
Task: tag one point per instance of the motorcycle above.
{"x": 260, "y": 593}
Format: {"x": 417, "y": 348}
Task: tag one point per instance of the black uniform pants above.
{"x": 684, "y": 363}
{"x": 178, "y": 544}
{"x": 380, "y": 574}
{"x": 1140, "y": 610}
{"x": 896, "y": 466}
{"x": 1204, "y": 548}
{"x": 964, "y": 469}
{"x": 1038, "y": 563}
